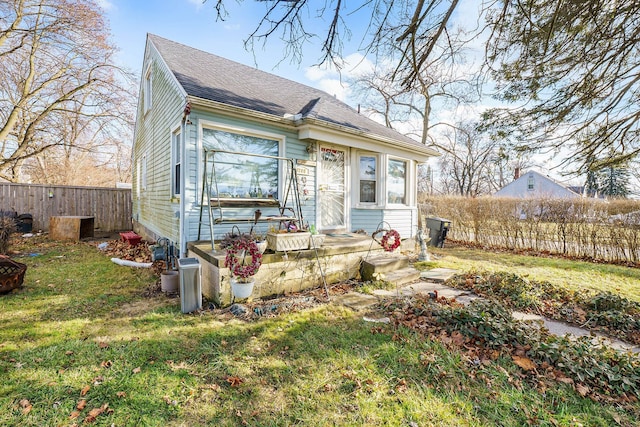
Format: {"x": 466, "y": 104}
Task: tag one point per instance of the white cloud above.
{"x": 335, "y": 87}
{"x": 316, "y": 74}
{"x": 333, "y": 81}
{"x": 105, "y": 5}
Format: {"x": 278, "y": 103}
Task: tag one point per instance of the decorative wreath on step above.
{"x": 235, "y": 259}
{"x": 390, "y": 241}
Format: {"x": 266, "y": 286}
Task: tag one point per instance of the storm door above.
{"x": 331, "y": 188}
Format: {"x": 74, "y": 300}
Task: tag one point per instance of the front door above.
{"x": 331, "y": 188}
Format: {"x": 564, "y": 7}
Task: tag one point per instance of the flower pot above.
{"x": 262, "y": 245}
{"x": 169, "y": 281}
{"x": 241, "y": 289}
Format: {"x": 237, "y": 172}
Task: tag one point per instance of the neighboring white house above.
{"x": 535, "y": 185}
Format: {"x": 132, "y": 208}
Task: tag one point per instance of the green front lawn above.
{"x": 86, "y": 343}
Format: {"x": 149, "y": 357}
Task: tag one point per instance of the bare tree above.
{"x": 576, "y": 67}
{"x": 58, "y": 86}
{"x": 572, "y": 67}
{"x": 447, "y": 80}
{"x": 467, "y": 163}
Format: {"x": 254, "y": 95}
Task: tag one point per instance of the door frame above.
{"x": 346, "y": 186}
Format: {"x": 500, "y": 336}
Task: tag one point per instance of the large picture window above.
{"x": 396, "y": 182}
{"x": 368, "y": 179}
{"x": 243, "y": 175}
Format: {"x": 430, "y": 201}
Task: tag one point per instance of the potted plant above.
{"x": 243, "y": 259}
{"x": 11, "y": 272}
{"x": 261, "y": 240}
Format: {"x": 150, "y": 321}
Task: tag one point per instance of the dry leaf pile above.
{"x": 483, "y": 332}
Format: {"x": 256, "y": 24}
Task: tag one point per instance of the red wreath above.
{"x": 392, "y": 245}
{"x": 236, "y": 256}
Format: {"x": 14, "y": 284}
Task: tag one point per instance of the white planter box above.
{"x": 281, "y": 242}
{"x": 317, "y": 240}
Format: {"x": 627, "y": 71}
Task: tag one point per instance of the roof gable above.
{"x": 210, "y": 77}
{"x": 543, "y": 187}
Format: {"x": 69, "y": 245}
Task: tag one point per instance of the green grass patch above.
{"x": 84, "y": 334}
{"x": 567, "y": 273}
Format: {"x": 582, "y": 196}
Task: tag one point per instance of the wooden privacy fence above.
{"x": 110, "y": 207}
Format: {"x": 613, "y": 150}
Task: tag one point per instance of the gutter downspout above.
{"x": 183, "y": 196}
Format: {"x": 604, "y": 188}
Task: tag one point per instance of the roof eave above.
{"x": 309, "y": 126}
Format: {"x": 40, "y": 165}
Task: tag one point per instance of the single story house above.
{"x": 535, "y": 185}
{"x": 213, "y": 135}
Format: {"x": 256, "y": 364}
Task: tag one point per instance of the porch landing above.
{"x": 339, "y": 258}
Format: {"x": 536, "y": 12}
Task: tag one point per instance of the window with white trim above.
{"x": 396, "y": 181}
{"x": 143, "y": 173}
{"x": 146, "y": 96}
{"x": 176, "y": 162}
{"x": 368, "y": 178}
{"x": 243, "y": 175}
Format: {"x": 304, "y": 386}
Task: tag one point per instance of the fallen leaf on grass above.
{"x": 121, "y": 394}
{"x": 137, "y": 370}
{"x": 103, "y": 344}
{"x": 74, "y": 415}
{"x": 95, "y": 412}
{"x": 26, "y": 406}
{"x": 85, "y": 390}
{"x": 81, "y": 405}
{"x": 234, "y": 381}
{"x": 524, "y": 362}
{"x": 565, "y": 380}
{"x": 106, "y": 364}
{"x": 582, "y": 389}
{"x": 457, "y": 338}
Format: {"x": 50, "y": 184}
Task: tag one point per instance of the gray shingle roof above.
{"x": 207, "y": 76}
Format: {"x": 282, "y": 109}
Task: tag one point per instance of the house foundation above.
{"x": 337, "y": 260}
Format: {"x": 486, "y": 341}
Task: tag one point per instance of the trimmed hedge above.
{"x": 583, "y": 228}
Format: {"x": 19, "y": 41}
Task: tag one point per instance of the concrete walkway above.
{"x": 432, "y": 281}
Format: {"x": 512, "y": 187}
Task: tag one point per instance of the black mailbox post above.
{"x": 438, "y": 228}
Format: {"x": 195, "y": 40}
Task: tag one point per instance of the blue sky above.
{"x": 194, "y": 24}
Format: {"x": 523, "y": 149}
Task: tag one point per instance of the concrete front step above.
{"x": 438, "y": 275}
{"x": 382, "y": 264}
{"x": 402, "y": 276}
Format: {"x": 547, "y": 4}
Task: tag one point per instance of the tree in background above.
{"x": 60, "y": 95}
{"x": 466, "y": 162}
{"x": 572, "y": 69}
{"x": 447, "y": 80}
{"x": 591, "y": 186}
{"x": 613, "y": 181}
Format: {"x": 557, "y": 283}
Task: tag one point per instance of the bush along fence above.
{"x": 110, "y": 207}
{"x": 581, "y": 228}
